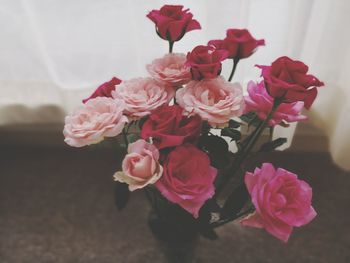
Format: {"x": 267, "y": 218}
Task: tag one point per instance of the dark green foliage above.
{"x": 217, "y": 149}
{"x": 270, "y": 146}
{"x": 235, "y": 135}
{"x": 234, "y": 124}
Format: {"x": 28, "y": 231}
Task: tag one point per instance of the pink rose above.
{"x": 205, "y": 62}
{"x": 140, "y": 166}
{"x": 170, "y": 69}
{"x": 188, "y": 178}
{"x": 239, "y": 43}
{"x": 142, "y": 96}
{"x": 105, "y": 90}
{"x": 260, "y": 102}
{"x": 172, "y": 22}
{"x": 215, "y": 100}
{"x": 98, "y": 118}
{"x": 281, "y": 200}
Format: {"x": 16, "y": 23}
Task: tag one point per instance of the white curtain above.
{"x": 53, "y": 53}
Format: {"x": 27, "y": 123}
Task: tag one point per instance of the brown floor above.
{"x": 56, "y": 205}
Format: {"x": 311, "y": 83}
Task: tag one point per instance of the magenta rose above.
{"x": 168, "y": 127}
{"x": 287, "y": 80}
{"x": 170, "y": 69}
{"x": 105, "y": 90}
{"x": 260, "y": 102}
{"x": 188, "y": 178}
{"x": 172, "y": 22}
{"x": 239, "y": 43}
{"x": 281, "y": 200}
{"x": 140, "y": 166}
{"x": 205, "y": 62}
{"x": 215, "y": 100}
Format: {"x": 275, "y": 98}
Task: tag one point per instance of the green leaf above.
{"x": 251, "y": 119}
{"x": 235, "y": 202}
{"x": 121, "y": 195}
{"x": 234, "y": 124}
{"x": 233, "y": 134}
{"x": 213, "y": 144}
{"x": 270, "y": 146}
{"x": 248, "y": 117}
{"x": 217, "y": 149}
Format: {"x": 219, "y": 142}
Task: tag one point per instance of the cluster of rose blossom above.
{"x": 185, "y": 92}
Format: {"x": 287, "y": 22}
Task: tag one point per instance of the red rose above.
{"x": 286, "y": 79}
{"x": 105, "y": 89}
{"x": 172, "y": 22}
{"x": 238, "y": 42}
{"x": 205, "y": 62}
{"x": 168, "y": 127}
{"x": 188, "y": 178}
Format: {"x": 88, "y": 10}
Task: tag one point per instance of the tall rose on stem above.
{"x": 205, "y": 62}
{"x": 172, "y": 23}
{"x": 239, "y": 43}
{"x": 287, "y": 80}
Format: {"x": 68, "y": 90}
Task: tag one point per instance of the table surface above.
{"x": 56, "y": 205}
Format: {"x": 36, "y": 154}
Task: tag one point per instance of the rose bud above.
{"x": 140, "y": 166}
{"x": 105, "y": 90}
{"x": 260, "y": 102}
{"x": 168, "y": 127}
{"x": 172, "y": 22}
{"x": 281, "y": 200}
{"x": 188, "y": 178}
{"x": 98, "y": 118}
{"x": 205, "y": 62}
{"x": 239, "y": 43}
{"x": 288, "y": 81}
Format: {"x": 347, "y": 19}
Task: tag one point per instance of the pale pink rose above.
{"x": 281, "y": 200}
{"x": 215, "y": 100}
{"x": 140, "y": 166}
{"x": 260, "y": 102}
{"x": 142, "y": 96}
{"x": 170, "y": 69}
{"x": 98, "y": 118}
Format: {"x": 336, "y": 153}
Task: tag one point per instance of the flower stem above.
{"x": 232, "y": 218}
{"x": 245, "y": 150}
{"x": 235, "y": 63}
{"x": 171, "y": 44}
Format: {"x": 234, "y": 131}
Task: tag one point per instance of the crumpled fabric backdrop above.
{"x": 53, "y": 53}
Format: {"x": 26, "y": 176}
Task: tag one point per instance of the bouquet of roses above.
{"x": 178, "y": 122}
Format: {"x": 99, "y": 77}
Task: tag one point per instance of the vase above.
{"x": 176, "y": 233}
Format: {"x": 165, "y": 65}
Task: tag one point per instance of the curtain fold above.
{"x": 54, "y": 53}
